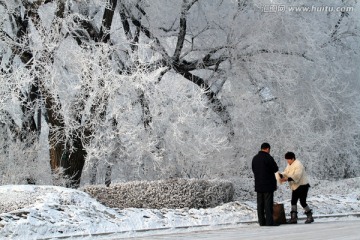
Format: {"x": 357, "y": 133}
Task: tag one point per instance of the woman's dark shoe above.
{"x": 294, "y": 217}
{"x": 309, "y": 217}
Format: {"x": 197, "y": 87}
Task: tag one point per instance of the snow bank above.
{"x": 33, "y": 212}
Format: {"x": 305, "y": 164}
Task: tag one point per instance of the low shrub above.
{"x": 172, "y": 193}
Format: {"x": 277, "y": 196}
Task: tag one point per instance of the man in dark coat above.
{"x": 264, "y": 168}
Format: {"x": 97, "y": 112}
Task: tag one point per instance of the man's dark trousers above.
{"x": 265, "y": 203}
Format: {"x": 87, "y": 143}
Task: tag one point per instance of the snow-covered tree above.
{"x": 96, "y": 71}
{"x": 297, "y": 76}
{"x": 154, "y": 89}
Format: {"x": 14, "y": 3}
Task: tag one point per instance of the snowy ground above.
{"x": 46, "y": 212}
{"x": 330, "y": 230}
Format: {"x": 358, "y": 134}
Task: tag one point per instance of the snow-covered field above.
{"x": 41, "y": 212}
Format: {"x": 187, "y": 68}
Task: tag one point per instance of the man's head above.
{"x": 290, "y": 157}
{"x": 265, "y": 147}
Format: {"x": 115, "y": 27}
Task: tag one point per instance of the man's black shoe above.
{"x": 273, "y": 225}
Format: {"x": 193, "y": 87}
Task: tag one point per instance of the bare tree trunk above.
{"x": 93, "y": 171}
{"x": 108, "y": 175}
{"x": 74, "y": 164}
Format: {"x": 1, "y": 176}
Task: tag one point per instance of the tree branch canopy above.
{"x": 182, "y": 32}
{"x": 107, "y": 22}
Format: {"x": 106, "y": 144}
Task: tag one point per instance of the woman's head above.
{"x": 290, "y": 157}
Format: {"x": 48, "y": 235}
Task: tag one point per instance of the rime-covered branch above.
{"x": 266, "y": 51}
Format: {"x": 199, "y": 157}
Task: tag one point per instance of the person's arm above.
{"x": 284, "y": 175}
{"x": 274, "y": 165}
{"x": 286, "y": 178}
{"x": 297, "y": 172}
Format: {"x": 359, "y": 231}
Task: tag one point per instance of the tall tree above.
{"x": 45, "y": 36}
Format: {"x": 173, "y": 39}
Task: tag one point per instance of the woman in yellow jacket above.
{"x": 295, "y": 174}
